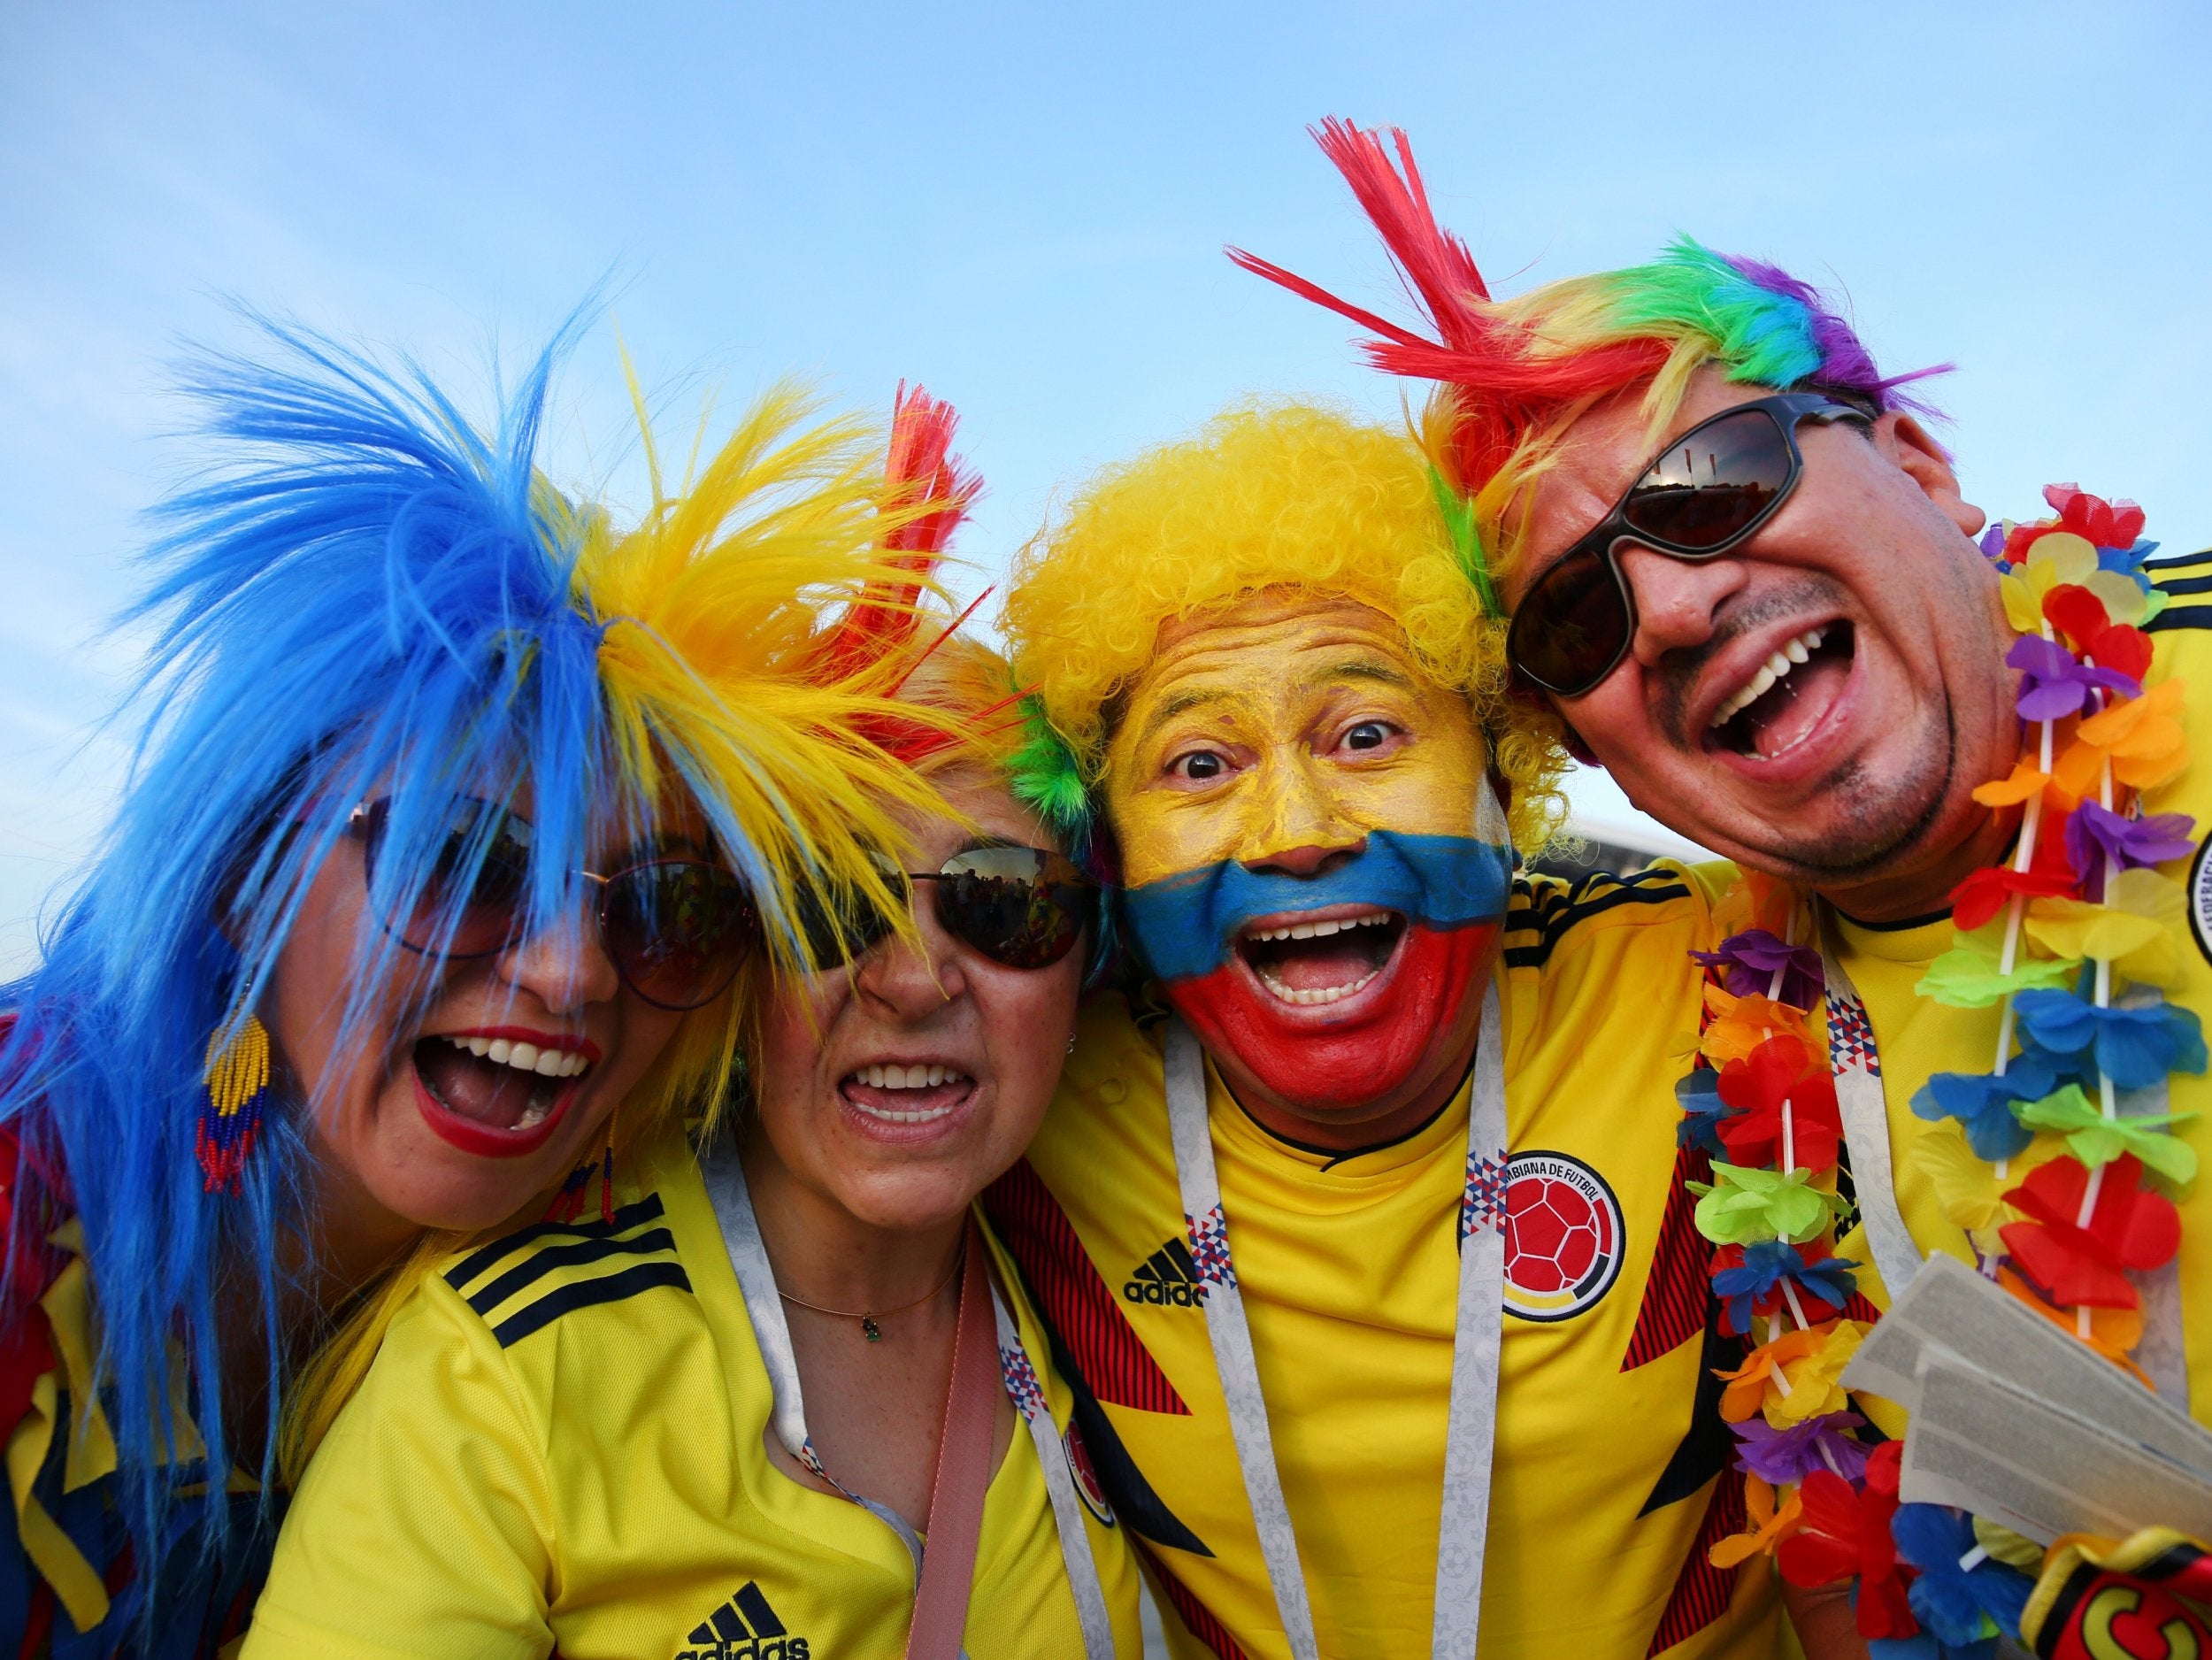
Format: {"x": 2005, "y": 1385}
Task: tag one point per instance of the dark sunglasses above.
{"x": 1713, "y": 487}
{"x": 677, "y": 930}
{"x": 1020, "y": 907}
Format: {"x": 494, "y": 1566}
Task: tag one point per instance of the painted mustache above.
{"x": 1188, "y": 925}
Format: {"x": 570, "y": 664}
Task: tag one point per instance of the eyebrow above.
{"x": 1370, "y": 669}
{"x": 663, "y": 843}
{"x": 1177, "y": 703}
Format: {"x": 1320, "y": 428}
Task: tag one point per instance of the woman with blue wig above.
{"x": 455, "y": 818}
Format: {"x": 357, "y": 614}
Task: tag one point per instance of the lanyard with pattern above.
{"x": 757, "y": 1279}
{"x": 1465, "y": 1526}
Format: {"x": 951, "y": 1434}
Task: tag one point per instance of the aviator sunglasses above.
{"x": 677, "y": 930}
{"x": 1713, "y": 487}
{"x": 1021, "y": 907}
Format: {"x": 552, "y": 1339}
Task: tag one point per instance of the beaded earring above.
{"x": 237, "y": 1090}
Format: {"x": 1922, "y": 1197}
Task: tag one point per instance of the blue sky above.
{"x": 1023, "y": 207}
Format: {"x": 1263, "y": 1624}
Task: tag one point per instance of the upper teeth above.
{"x": 1322, "y": 930}
{"x": 1792, "y": 653}
{"x": 914, "y": 1077}
{"x": 524, "y": 1057}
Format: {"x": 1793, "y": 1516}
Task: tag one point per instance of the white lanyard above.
{"x": 757, "y": 1279}
{"x": 1464, "y": 1525}
{"x": 1856, "y": 1061}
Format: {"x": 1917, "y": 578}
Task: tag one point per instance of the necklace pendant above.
{"x": 869, "y": 1330}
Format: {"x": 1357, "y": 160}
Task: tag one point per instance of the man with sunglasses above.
{"x": 1361, "y": 1224}
{"x": 1743, "y": 575}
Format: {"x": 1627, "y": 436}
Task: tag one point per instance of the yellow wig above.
{"x": 1287, "y": 496}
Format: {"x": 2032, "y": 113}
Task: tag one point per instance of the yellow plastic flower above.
{"x": 1794, "y": 1377}
{"x": 2137, "y": 929}
{"x": 2054, "y": 559}
{"x": 1968, "y": 1187}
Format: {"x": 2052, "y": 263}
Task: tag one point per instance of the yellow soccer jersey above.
{"x": 1608, "y": 1483}
{"x": 1917, "y": 1037}
{"x": 560, "y": 1450}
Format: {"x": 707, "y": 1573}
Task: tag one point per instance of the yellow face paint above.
{"x": 1282, "y": 724}
{"x": 1295, "y": 804}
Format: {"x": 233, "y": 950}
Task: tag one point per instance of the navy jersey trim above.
{"x": 535, "y": 1267}
{"x": 589, "y": 1293}
{"x": 646, "y": 1209}
{"x": 2179, "y": 616}
{"x": 1552, "y": 922}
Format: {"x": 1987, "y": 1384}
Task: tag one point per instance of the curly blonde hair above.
{"x": 1276, "y": 497}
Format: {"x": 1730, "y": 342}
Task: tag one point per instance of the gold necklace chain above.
{"x": 867, "y": 1318}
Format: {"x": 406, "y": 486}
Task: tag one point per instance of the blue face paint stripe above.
{"x": 1185, "y": 923}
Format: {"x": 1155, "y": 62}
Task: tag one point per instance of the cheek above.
{"x": 1162, "y": 832}
{"x": 1027, "y": 1026}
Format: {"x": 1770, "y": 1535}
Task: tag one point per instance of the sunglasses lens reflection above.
{"x": 1713, "y": 485}
{"x": 1571, "y": 626}
{"x": 1006, "y": 902}
{"x": 678, "y": 930}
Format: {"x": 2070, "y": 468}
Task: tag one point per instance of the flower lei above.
{"x": 2061, "y": 1195}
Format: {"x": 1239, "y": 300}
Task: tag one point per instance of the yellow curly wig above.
{"x": 1271, "y": 497}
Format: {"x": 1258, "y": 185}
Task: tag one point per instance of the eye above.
{"x": 1199, "y": 766}
{"x": 1368, "y": 734}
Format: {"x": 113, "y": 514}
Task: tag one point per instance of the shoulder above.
{"x": 2185, "y": 579}
{"x": 1550, "y": 916}
{"x": 551, "y": 1272}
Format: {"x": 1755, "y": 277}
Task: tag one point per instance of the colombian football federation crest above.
{"x": 1563, "y": 1237}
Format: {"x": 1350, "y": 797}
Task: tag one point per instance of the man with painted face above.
{"x": 1744, "y": 575}
{"x": 1363, "y": 1227}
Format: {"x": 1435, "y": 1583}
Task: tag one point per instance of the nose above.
{"x": 1677, "y": 601}
{"x": 1302, "y": 826}
{"x": 907, "y": 981}
{"x": 564, "y": 966}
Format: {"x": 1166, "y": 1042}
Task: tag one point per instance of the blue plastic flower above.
{"x": 1697, "y": 1094}
{"x": 1957, "y": 1603}
{"x": 2134, "y": 1047}
{"x": 1982, "y": 1102}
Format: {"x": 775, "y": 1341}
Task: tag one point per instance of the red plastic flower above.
{"x": 2089, "y": 629}
{"x": 2130, "y": 1226}
{"x": 1982, "y": 895}
{"x": 1843, "y": 1532}
{"x": 1780, "y": 1070}
{"x": 2101, "y": 524}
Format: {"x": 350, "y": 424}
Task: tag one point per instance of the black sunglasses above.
{"x": 1713, "y": 487}
{"x": 677, "y": 930}
{"x": 1021, "y": 907}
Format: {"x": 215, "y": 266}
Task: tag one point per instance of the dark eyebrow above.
{"x": 1369, "y": 669}
{"x": 1177, "y": 703}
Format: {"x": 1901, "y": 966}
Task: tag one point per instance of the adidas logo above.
{"x": 743, "y": 1628}
{"x": 1167, "y": 1278}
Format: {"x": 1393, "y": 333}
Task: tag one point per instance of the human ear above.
{"x": 1906, "y": 442}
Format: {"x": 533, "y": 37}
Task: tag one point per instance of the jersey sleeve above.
{"x": 422, "y": 1529}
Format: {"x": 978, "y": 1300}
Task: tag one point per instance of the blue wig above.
{"x": 380, "y": 599}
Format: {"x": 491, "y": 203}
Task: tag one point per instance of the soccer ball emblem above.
{"x": 1562, "y": 1236}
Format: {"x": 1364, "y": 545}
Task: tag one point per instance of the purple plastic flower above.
{"x": 2094, "y": 835}
{"x": 1751, "y": 959}
{"x": 1992, "y": 544}
{"x": 2054, "y": 686}
{"x": 1781, "y": 1456}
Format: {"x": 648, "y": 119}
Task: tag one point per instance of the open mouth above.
{"x": 498, "y": 1083}
{"x": 899, "y": 1093}
{"x": 1784, "y": 699}
{"x": 1321, "y": 960}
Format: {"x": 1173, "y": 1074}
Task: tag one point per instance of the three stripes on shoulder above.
{"x": 523, "y": 1282}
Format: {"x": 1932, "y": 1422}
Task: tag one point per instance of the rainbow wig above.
{"x": 1517, "y": 373}
{"x": 1283, "y": 497}
{"x": 377, "y": 599}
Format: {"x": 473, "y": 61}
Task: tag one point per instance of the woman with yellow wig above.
{"x": 455, "y": 820}
{"x": 720, "y": 1421}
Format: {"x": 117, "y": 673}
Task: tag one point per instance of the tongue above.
{"x": 482, "y": 1091}
{"x": 1784, "y": 715}
{"x": 1322, "y": 964}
